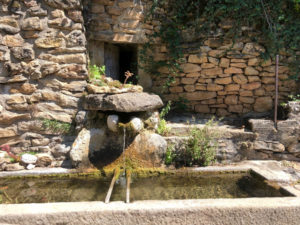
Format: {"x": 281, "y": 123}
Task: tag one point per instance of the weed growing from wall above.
{"x": 57, "y": 126}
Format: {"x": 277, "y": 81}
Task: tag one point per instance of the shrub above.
{"x": 201, "y": 145}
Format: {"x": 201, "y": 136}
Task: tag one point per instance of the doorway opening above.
{"x": 120, "y": 58}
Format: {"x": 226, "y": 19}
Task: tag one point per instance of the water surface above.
{"x": 163, "y": 187}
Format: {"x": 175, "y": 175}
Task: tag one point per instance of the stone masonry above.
{"x": 45, "y": 46}
{"x": 43, "y": 71}
{"x": 218, "y": 76}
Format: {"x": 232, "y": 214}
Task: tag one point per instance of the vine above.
{"x": 276, "y": 23}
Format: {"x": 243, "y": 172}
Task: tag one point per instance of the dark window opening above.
{"x": 120, "y": 58}
{"x": 128, "y": 62}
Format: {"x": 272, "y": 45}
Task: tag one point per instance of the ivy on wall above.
{"x": 277, "y": 23}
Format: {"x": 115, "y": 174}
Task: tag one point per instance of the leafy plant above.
{"x": 170, "y": 154}
{"x": 56, "y": 126}
{"x": 96, "y": 72}
{"x": 165, "y": 110}
{"x": 294, "y": 98}
{"x": 163, "y": 128}
{"x": 201, "y": 145}
{"x": 96, "y": 75}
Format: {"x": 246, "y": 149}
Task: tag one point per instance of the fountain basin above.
{"x": 169, "y": 185}
{"x": 277, "y": 210}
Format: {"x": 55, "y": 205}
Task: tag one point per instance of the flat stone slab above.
{"x": 266, "y": 211}
{"x": 125, "y": 102}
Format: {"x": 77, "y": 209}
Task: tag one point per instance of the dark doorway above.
{"x": 120, "y": 58}
{"x": 128, "y": 62}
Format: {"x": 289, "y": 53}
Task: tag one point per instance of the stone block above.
{"x": 197, "y": 59}
{"x": 251, "y": 86}
{"x": 253, "y": 79}
{"x": 238, "y": 65}
{"x": 231, "y": 100}
{"x": 232, "y": 87}
{"x": 25, "y": 53}
{"x": 13, "y": 40}
{"x": 202, "y": 108}
{"x": 189, "y": 88}
{"x": 235, "y": 108}
{"x": 216, "y": 53}
{"x": 200, "y": 95}
{"x": 268, "y": 146}
{"x": 32, "y": 23}
{"x": 190, "y": 68}
{"x": 65, "y": 59}
{"x": 185, "y": 80}
{"x": 254, "y": 62}
{"x": 246, "y": 93}
{"x": 251, "y": 71}
{"x": 224, "y": 62}
{"x": 253, "y": 49}
{"x": 176, "y": 89}
{"x": 247, "y": 100}
{"x": 207, "y": 65}
{"x": 214, "y": 87}
{"x": 263, "y": 104}
{"x": 225, "y": 80}
{"x": 268, "y": 80}
{"x": 214, "y": 72}
{"x": 233, "y": 70}
{"x": 8, "y": 132}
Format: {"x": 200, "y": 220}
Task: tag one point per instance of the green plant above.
{"x": 163, "y": 128}
{"x": 165, "y": 110}
{"x": 170, "y": 154}
{"x": 293, "y": 98}
{"x": 201, "y": 145}
{"x": 56, "y": 126}
{"x": 96, "y": 72}
{"x": 96, "y": 75}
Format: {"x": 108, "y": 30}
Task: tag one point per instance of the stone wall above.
{"x": 42, "y": 73}
{"x": 222, "y": 78}
{"x": 44, "y": 57}
{"x": 218, "y": 77}
{"x": 116, "y": 21}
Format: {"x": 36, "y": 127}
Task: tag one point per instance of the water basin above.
{"x": 182, "y": 185}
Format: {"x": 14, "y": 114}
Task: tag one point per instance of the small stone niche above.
{"x": 117, "y": 58}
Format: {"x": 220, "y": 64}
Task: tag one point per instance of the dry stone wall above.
{"x": 116, "y": 21}
{"x": 43, "y": 71}
{"x": 43, "y": 68}
{"x": 218, "y": 76}
{"x": 225, "y": 78}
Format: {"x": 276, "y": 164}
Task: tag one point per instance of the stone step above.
{"x": 225, "y": 131}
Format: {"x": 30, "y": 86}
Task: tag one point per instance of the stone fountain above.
{"x": 108, "y": 114}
